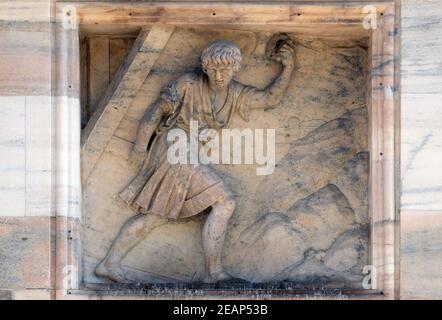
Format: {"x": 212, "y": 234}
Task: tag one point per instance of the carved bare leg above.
{"x": 132, "y": 233}
{"x": 214, "y": 233}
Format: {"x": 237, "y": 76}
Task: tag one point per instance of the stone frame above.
{"x": 337, "y": 19}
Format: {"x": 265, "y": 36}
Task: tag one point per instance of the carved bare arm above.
{"x": 148, "y": 124}
{"x": 274, "y": 93}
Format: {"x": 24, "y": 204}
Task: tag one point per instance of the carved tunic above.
{"x": 184, "y": 190}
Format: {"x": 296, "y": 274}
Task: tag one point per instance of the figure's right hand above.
{"x": 136, "y": 158}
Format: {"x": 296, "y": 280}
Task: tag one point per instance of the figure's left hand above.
{"x": 285, "y": 55}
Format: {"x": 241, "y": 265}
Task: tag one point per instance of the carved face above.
{"x": 219, "y": 76}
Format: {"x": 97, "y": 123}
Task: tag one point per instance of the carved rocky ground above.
{"x": 311, "y": 214}
{"x": 307, "y": 222}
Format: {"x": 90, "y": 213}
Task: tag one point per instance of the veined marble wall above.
{"x": 421, "y": 135}
{"x": 26, "y": 149}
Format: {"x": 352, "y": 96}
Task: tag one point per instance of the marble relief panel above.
{"x": 306, "y": 223}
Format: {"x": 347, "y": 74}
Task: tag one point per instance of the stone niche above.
{"x": 326, "y": 212}
{"x": 307, "y": 223}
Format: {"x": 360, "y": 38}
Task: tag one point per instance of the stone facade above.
{"x": 309, "y": 229}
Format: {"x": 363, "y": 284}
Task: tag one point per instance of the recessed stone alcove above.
{"x": 310, "y": 223}
{"x": 307, "y": 222}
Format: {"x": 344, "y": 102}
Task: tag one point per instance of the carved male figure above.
{"x": 161, "y": 191}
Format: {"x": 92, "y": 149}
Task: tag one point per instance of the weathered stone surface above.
{"x": 13, "y": 150}
{"x": 32, "y": 294}
{"x": 120, "y": 93}
{"x": 421, "y": 263}
{"x": 307, "y": 222}
{"x": 321, "y": 153}
{"x": 25, "y": 252}
{"x": 317, "y": 237}
{"x": 5, "y": 295}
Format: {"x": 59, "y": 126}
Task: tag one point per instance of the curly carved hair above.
{"x": 221, "y": 53}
